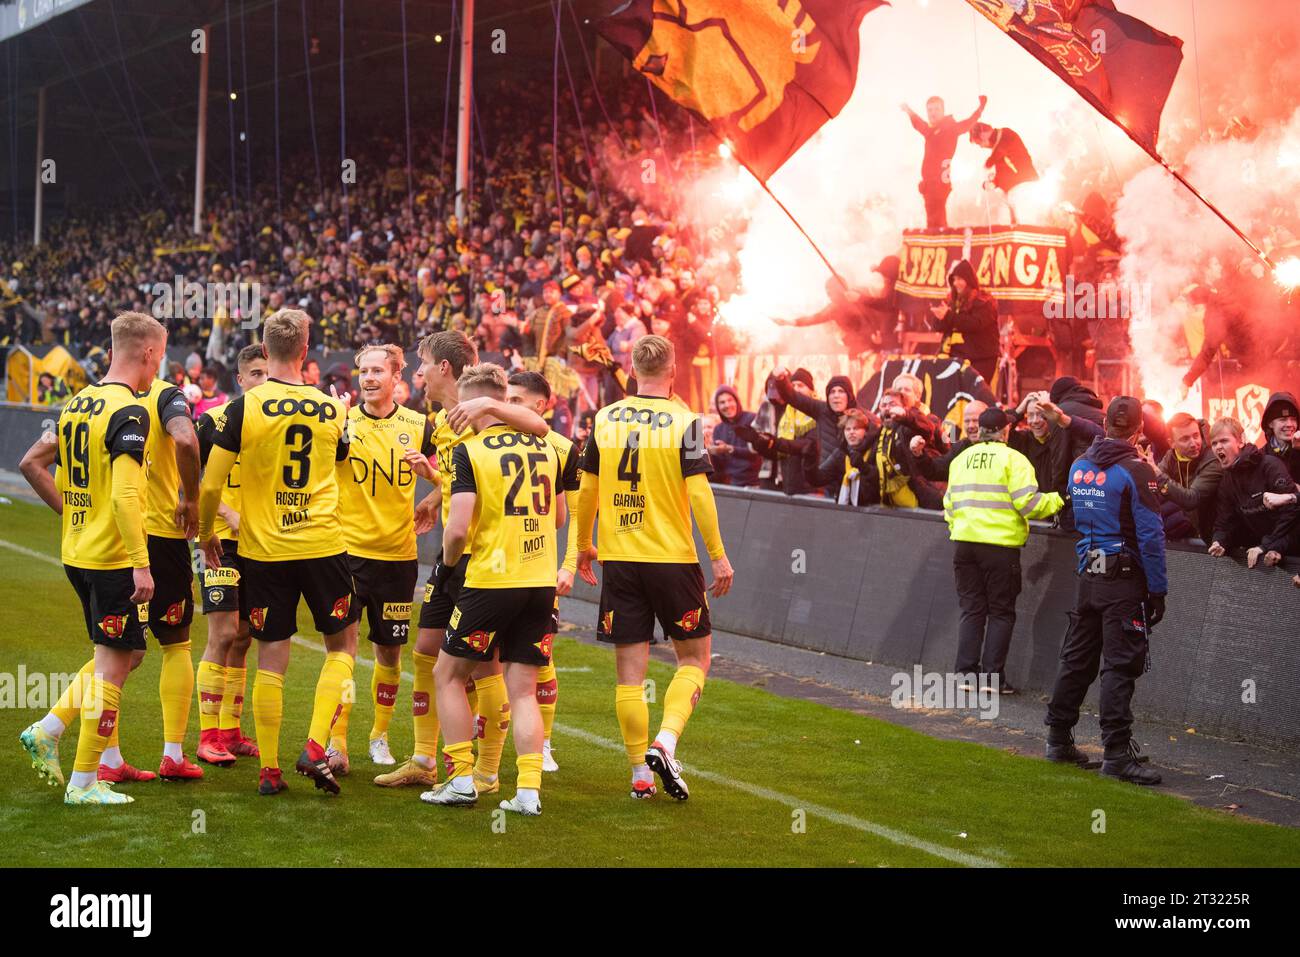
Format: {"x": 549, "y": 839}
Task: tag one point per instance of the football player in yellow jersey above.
{"x": 444, "y": 356}
{"x": 222, "y": 674}
{"x": 99, "y": 489}
{"x": 531, "y": 390}
{"x": 644, "y": 472}
{"x": 291, "y": 442}
{"x": 390, "y": 445}
{"x": 505, "y": 506}
{"x": 171, "y": 519}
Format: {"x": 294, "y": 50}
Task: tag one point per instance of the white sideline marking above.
{"x": 816, "y": 810}
{"x": 39, "y": 556}
{"x": 753, "y": 790}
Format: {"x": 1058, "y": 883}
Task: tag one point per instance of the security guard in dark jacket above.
{"x": 1121, "y": 594}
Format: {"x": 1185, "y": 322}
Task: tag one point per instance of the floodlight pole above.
{"x": 463, "y": 115}
{"x": 40, "y": 158}
{"x": 201, "y": 146}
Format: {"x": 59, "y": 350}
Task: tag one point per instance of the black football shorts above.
{"x": 634, "y": 594}
{"x": 386, "y": 591}
{"x": 172, "y": 567}
{"x": 274, "y": 589}
{"x": 515, "y": 621}
{"x": 112, "y": 619}
{"x": 220, "y": 587}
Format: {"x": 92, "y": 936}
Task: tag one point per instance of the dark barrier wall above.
{"x": 877, "y": 585}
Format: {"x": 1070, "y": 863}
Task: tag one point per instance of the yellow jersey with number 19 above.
{"x": 516, "y": 477}
{"x": 379, "y": 502}
{"x": 644, "y": 448}
{"x": 101, "y": 422}
{"x": 288, "y": 438}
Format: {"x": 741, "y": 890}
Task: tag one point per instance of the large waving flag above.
{"x": 1119, "y": 64}
{"x": 764, "y": 74}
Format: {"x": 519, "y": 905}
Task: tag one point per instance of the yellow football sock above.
{"x": 460, "y": 759}
{"x": 683, "y": 692}
{"x": 268, "y": 712}
{"x": 548, "y": 690}
{"x": 68, "y": 706}
{"x": 383, "y": 692}
{"x": 336, "y": 671}
{"x": 633, "y": 720}
{"x": 211, "y": 682}
{"x": 494, "y": 705}
{"x": 339, "y": 729}
{"x": 232, "y": 700}
{"x": 424, "y": 708}
{"x": 97, "y": 724}
{"x": 530, "y": 771}
{"x": 471, "y": 692}
{"x": 176, "y": 689}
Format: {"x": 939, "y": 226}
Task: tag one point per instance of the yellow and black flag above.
{"x": 764, "y": 74}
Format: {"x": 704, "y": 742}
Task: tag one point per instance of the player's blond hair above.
{"x": 1227, "y": 424}
{"x": 285, "y": 334}
{"x": 396, "y": 358}
{"x": 132, "y": 331}
{"x": 486, "y": 378}
{"x": 652, "y": 357}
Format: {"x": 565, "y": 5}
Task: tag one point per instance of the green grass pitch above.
{"x": 773, "y": 781}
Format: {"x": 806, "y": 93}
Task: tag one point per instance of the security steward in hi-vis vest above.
{"x": 992, "y": 494}
{"x": 1121, "y": 595}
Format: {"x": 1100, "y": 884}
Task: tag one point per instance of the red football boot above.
{"x": 271, "y": 782}
{"x": 313, "y": 764}
{"x": 212, "y": 750}
{"x": 182, "y": 770}
{"x": 123, "y": 774}
{"x": 238, "y": 745}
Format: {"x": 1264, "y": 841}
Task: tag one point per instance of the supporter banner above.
{"x": 946, "y": 385}
{"x": 1021, "y": 266}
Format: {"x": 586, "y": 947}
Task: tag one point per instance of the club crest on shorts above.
{"x": 479, "y": 640}
{"x": 257, "y": 617}
{"x": 691, "y": 620}
{"x": 341, "y": 607}
{"x": 175, "y": 613}
{"x": 544, "y": 646}
{"x": 607, "y": 622}
{"x": 216, "y": 595}
{"x": 113, "y": 625}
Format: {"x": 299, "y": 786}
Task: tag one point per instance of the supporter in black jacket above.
{"x": 1189, "y": 476}
{"x": 840, "y": 397}
{"x": 1280, "y": 420}
{"x": 843, "y": 469}
{"x": 1257, "y": 499}
{"x": 968, "y": 321}
{"x": 793, "y": 443}
{"x": 734, "y": 462}
{"x": 936, "y": 468}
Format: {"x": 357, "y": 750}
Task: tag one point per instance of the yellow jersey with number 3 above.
{"x": 289, "y": 439}
{"x": 379, "y": 502}
{"x": 516, "y": 477}
{"x": 101, "y": 422}
{"x": 644, "y": 448}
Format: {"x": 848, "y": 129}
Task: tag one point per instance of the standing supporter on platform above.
{"x": 840, "y": 397}
{"x": 941, "y": 133}
{"x": 795, "y": 439}
{"x": 990, "y": 499}
{"x": 968, "y": 322}
{"x": 734, "y": 462}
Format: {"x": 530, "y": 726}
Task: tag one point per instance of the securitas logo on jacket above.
{"x": 1116, "y": 510}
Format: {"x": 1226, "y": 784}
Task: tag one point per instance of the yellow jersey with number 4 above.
{"x": 289, "y": 439}
{"x": 516, "y": 478}
{"x": 644, "y": 448}
{"x": 101, "y": 422}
